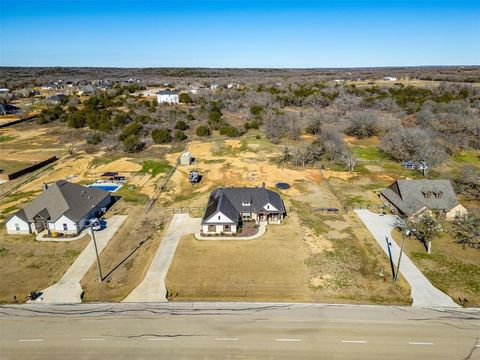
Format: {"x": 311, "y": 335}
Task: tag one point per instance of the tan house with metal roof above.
{"x": 411, "y": 198}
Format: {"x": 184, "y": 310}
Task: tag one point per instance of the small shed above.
{"x": 185, "y": 158}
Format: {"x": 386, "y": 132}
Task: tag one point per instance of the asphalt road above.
{"x": 236, "y": 331}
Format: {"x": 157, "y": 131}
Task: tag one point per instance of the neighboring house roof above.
{"x": 410, "y": 196}
{"x": 63, "y": 198}
{"x": 8, "y": 109}
{"x": 109, "y": 173}
{"x": 56, "y": 99}
{"x": 229, "y": 201}
{"x": 168, "y": 92}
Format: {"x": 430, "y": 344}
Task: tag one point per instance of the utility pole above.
{"x": 99, "y": 269}
{"x": 391, "y": 259}
{"x": 405, "y": 233}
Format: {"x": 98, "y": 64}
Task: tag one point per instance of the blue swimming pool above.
{"x": 106, "y": 187}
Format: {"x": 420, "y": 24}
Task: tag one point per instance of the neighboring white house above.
{"x": 4, "y": 91}
{"x": 228, "y": 208}
{"x": 168, "y": 97}
{"x": 390, "y": 78}
{"x": 62, "y": 207}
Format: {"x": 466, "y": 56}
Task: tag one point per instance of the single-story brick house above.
{"x": 228, "y": 207}
{"x": 62, "y": 207}
{"x": 411, "y": 198}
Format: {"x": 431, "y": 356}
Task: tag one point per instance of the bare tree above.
{"x": 349, "y": 158}
{"x": 426, "y": 227}
{"x": 70, "y": 149}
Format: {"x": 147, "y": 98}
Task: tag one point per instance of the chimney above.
{"x": 263, "y": 185}
{"x": 44, "y": 186}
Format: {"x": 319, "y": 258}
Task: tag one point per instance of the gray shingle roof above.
{"x": 63, "y": 198}
{"x": 230, "y": 202}
{"x": 167, "y": 92}
{"x": 409, "y": 196}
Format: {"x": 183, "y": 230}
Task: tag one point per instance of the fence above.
{"x": 14, "y": 122}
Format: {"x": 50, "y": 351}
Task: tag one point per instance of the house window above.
{"x": 458, "y": 213}
{"x": 268, "y": 206}
{"x": 17, "y": 227}
{"x": 226, "y": 228}
{"x": 246, "y": 203}
{"x": 211, "y": 228}
{"x": 65, "y": 227}
{"x": 218, "y": 217}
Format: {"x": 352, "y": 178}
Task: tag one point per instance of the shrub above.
{"x": 185, "y": 98}
{"x": 202, "y": 131}
{"x": 94, "y": 138}
{"x": 134, "y": 128}
{"x": 181, "y": 125}
{"x": 161, "y": 136}
{"x": 253, "y": 124}
{"x": 229, "y": 130}
{"x": 132, "y": 144}
{"x": 179, "y": 135}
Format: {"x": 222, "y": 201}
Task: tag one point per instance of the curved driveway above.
{"x": 424, "y": 294}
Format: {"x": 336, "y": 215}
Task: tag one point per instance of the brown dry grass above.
{"x": 124, "y": 258}
{"x": 28, "y": 265}
{"x": 452, "y": 268}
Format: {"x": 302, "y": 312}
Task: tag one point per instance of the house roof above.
{"x": 63, "y": 198}
{"x": 230, "y": 202}
{"x": 410, "y": 196}
{"x": 8, "y": 109}
{"x": 167, "y": 92}
{"x": 109, "y": 173}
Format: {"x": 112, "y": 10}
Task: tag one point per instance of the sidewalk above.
{"x": 261, "y": 230}
{"x": 424, "y": 294}
{"x": 68, "y": 290}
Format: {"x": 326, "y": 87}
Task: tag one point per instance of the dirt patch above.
{"x": 120, "y": 165}
{"x": 316, "y": 244}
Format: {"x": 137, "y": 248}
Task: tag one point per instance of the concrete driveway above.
{"x": 68, "y": 290}
{"x": 424, "y": 294}
{"x": 152, "y": 288}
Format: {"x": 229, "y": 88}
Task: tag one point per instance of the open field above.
{"x": 28, "y": 265}
{"x": 451, "y": 268}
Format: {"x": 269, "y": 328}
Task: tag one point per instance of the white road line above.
{"x": 420, "y": 343}
{"x": 226, "y": 339}
{"x": 31, "y": 340}
{"x": 355, "y": 341}
{"x": 93, "y": 339}
{"x": 295, "y": 340}
{"x": 159, "y": 339}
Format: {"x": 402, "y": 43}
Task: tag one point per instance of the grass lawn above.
{"x": 27, "y": 265}
{"x": 155, "y": 167}
{"x": 131, "y": 194}
{"x": 286, "y": 264}
{"x": 5, "y": 138}
{"x": 468, "y": 158}
{"x": 452, "y": 269}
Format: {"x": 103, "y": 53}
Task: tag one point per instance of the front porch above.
{"x": 250, "y": 232}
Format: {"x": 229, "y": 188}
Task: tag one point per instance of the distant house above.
{"x": 390, "y": 78}
{"x": 7, "y": 109}
{"x": 228, "y": 208}
{"x": 86, "y": 90}
{"x": 4, "y": 91}
{"x": 58, "y": 99}
{"x": 168, "y": 97}
{"x": 411, "y": 198}
{"x": 63, "y": 207}
{"x": 214, "y": 86}
{"x": 414, "y": 165}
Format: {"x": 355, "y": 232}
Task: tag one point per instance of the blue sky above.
{"x": 147, "y": 33}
